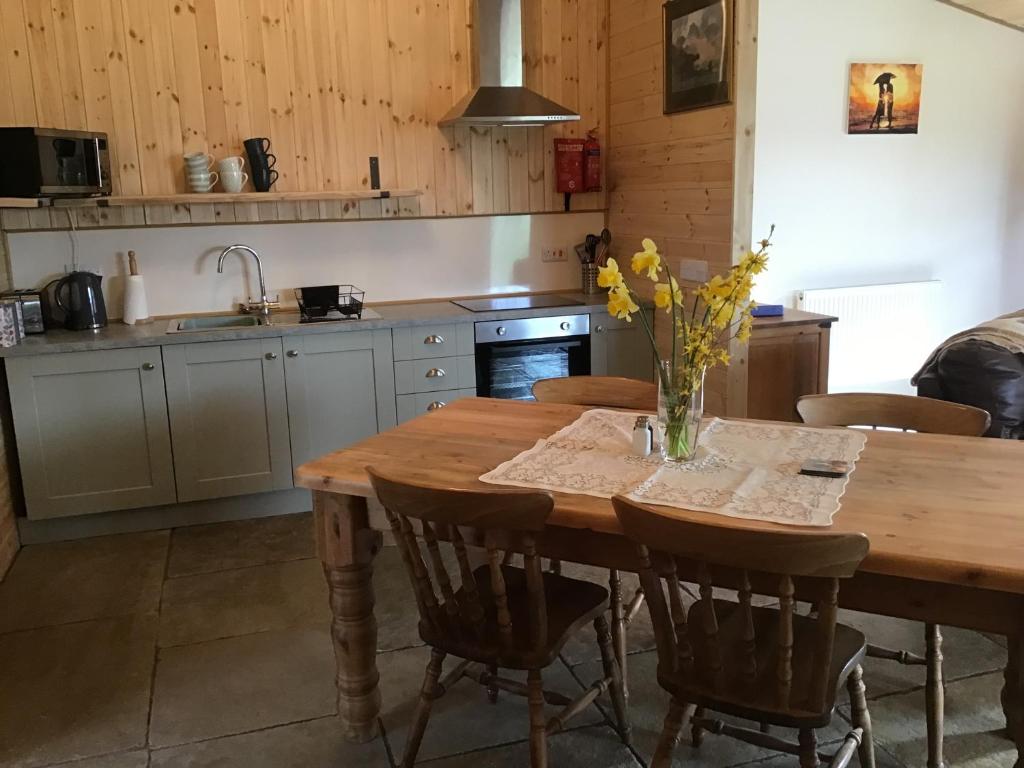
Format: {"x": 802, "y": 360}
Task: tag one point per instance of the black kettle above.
{"x": 80, "y": 297}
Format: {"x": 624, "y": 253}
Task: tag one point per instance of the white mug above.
{"x": 229, "y": 164}
{"x": 233, "y": 181}
{"x": 198, "y": 161}
{"x": 202, "y": 182}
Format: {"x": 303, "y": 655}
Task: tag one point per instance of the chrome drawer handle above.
{"x": 434, "y": 339}
{"x": 435, "y": 373}
{"x": 148, "y": 366}
{"x": 436, "y": 404}
{"x": 271, "y": 355}
{"x": 293, "y": 353}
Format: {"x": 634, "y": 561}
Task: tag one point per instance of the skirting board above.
{"x": 170, "y": 516}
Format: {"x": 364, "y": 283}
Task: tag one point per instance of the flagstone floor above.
{"x": 207, "y": 647}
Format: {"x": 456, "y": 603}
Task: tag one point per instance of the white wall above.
{"x": 390, "y": 260}
{"x": 945, "y": 204}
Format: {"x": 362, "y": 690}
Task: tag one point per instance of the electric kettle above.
{"x": 80, "y": 297}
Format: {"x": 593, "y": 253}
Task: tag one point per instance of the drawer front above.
{"x": 410, "y": 406}
{"x": 435, "y": 374}
{"x": 429, "y": 341}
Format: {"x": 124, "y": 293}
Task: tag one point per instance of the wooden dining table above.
{"x": 945, "y": 517}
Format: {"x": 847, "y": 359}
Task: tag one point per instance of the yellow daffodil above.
{"x": 609, "y": 276}
{"x": 648, "y": 259}
{"x": 663, "y": 296}
{"x": 621, "y": 304}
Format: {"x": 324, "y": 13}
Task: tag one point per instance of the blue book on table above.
{"x": 767, "y": 310}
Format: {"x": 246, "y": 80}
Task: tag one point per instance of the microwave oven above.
{"x": 47, "y": 162}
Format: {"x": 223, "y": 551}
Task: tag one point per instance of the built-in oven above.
{"x": 512, "y": 354}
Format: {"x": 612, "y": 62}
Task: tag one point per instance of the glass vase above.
{"x": 680, "y": 408}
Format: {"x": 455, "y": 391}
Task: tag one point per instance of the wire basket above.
{"x": 323, "y": 300}
{"x": 590, "y": 278}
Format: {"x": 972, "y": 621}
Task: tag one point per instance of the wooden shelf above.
{"x": 23, "y": 202}
{"x": 209, "y": 198}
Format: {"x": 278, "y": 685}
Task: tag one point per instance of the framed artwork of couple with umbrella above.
{"x": 884, "y": 98}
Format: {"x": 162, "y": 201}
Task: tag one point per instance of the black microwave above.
{"x": 47, "y": 162}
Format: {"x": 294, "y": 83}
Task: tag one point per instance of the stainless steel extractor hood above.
{"x": 500, "y": 97}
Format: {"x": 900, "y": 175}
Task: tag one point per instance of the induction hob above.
{"x": 516, "y": 302}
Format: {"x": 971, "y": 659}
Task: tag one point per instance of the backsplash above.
{"x": 392, "y": 261}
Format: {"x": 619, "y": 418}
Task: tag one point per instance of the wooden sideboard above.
{"x": 788, "y": 358}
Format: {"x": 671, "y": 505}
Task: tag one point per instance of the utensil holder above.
{"x": 590, "y": 278}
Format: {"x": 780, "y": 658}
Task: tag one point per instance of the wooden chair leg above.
{"x": 612, "y": 672}
{"x": 808, "y": 749}
{"x": 934, "y": 695}
{"x": 422, "y": 713}
{"x": 538, "y": 734}
{"x": 861, "y": 717}
{"x": 675, "y": 721}
{"x": 492, "y": 690}
{"x": 696, "y": 732}
{"x": 619, "y": 627}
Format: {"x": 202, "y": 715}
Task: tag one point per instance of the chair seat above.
{"x": 570, "y": 604}
{"x": 757, "y": 697}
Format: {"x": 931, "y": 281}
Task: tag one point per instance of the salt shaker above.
{"x": 643, "y": 437}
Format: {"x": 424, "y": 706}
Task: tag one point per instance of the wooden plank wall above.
{"x": 670, "y": 177}
{"x": 331, "y": 83}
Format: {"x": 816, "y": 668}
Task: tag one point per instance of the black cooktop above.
{"x": 517, "y": 302}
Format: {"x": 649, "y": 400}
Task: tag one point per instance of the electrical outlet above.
{"x": 693, "y": 271}
{"x": 551, "y": 253}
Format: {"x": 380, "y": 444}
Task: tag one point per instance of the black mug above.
{"x": 261, "y": 163}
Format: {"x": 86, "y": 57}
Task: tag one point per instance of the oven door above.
{"x": 512, "y": 355}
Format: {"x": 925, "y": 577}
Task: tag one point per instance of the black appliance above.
{"x": 513, "y": 354}
{"x": 80, "y": 296}
{"x": 503, "y": 303}
{"x": 46, "y": 162}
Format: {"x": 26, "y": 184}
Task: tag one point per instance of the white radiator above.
{"x": 884, "y": 332}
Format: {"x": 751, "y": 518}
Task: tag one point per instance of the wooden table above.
{"x": 945, "y": 516}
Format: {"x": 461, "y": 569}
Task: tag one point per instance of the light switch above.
{"x": 693, "y": 271}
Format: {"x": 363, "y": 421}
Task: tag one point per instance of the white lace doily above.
{"x": 742, "y": 469}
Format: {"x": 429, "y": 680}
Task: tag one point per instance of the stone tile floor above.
{"x": 207, "y": 647}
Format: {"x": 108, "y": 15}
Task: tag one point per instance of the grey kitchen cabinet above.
{"x": 229, "y": 417}
{"x": 91, "y": 431}
{"x": 434, "y": 374}
{"x": 442, "y": 340}
{"x": 619, "y": 348}
{"x": 341, "y": 389}
{"x": 411, "y": 406}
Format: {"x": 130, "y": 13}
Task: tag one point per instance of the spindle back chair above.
{"x": 599, "y": 391}
{"x": 765, "y": 664}
{"x": 492, "y": 616}
{"x": 907, "y": 413}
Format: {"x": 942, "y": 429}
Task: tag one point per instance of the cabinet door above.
{"x": 229, "y": 417}
{"x": 91, "y": 430}
{"x": 783, "y": 367}
{"x": 618, "y": 348}
{"x": 341, "y": 389}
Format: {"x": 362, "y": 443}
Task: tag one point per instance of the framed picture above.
{"x": 698, "y": 54}
{"x": 884, "y": 98}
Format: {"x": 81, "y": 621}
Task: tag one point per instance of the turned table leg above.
{"x": 1013, "y": 695}
{"x": 346, "y": 546}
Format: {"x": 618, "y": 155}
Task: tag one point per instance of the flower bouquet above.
{"x": 703, "y": 324}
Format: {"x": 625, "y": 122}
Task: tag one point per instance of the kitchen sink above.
{"x": 218, "y": 322}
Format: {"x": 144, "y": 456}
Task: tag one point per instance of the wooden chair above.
{"x": 606, "y": 392}
{"x": 768, "y": 665}
{"x": 908, "y": 413}
{"x": 599, "y": 391}
{"x": 497, "y": 616}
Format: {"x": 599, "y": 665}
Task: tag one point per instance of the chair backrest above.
{"x": 445, "y": 516}
{"x": 607, "y": 391}
{"x": 750, "y": 561}
{"x": 906, "y": 412}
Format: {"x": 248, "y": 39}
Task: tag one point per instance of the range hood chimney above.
{"x": 500, "y": 98}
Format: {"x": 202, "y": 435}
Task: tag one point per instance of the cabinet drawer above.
{"x": 425, "y": 341}
{"x": 410, "y": 406}
{"x": 435, "y": 374}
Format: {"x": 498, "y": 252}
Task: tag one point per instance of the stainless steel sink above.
{"x": 217, "y": 322}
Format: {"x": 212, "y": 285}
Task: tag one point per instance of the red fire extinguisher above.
{"x": 577, "y": 166}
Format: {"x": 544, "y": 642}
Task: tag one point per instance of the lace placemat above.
{"x": 742, "y": 469}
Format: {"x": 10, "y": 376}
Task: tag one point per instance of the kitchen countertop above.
{"x": 285, "y": 323}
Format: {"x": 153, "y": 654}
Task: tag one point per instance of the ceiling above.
{"x": 1008, "y": 12}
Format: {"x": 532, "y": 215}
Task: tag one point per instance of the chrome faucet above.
{"x": 264, "y": 305}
